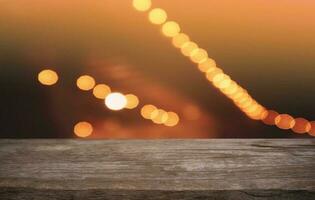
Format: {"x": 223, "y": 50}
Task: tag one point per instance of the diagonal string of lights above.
{"x": 217, "y": 77}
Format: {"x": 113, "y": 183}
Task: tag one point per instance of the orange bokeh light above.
{"x": 47, "y": 77}
{"x": 83, "y": 129}
{"x": 85, "y": 82}
{"x": 284, "y": 121}
{"x": 301, "y": 126}
{"x": 270, "y": 118}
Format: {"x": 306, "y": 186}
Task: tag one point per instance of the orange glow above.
{"x": 179, "y": 40}
{"x": 100, "y": 91}
{"x": 47, "y": 77}
{"x": 132, "y": 101}
{"x": 85, "y": 82}
{"x": 170, "y": 29}
{"x": 284, "y": 121}
{"x": 191, "y": 112}
{"x": 147, "y": 110}
{"x": 159, "y": 116}
{"x": 270, "y": 118}
{"x": 188, "y": 48}
{"x": 172, "y": 120}
{"x": 199, "y": 55}
{"x": 115, "y": 101}
{"x": 157, "y": 16}
{"x": 301, "y": 126}
{"x": 83, "y": 129}
{"x": 207, "y": 65}
{"x": 312, "y": 130}
{"x": 141, "y": 5}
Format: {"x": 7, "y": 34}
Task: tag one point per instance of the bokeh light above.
{"x": 172, "y": 119}
{"x": 147, "y": 110}
{"x": 157, "y": 16}
{"x": 115, "y": 101}
{"x": 284, "y": 121}
{"x": 83, "y": 129}
{"x": 270, "y": 118}
{"x": 141, "y": 5}
{"x": 301, "y": 126}
{"x": 199, "y": 55}
{"x": 207, "y": 65}
{"x": 179, "y": 40}
{"x": 188, "y": 48}
{"x": 47, "y": 77}
{"x": 85, "y": 82}
{"x": 100, "y": 91}
{"x": 312, "y": 130}
{"x": 132, "y": 101}
{"x": 170, "y": 29}
{"x": 159, "y": 116}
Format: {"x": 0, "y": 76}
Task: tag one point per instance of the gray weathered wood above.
{"x": 157, "y": 169}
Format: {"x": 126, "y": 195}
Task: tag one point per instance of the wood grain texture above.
{"x": 157, "y": 169}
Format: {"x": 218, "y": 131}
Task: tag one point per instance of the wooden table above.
{"x": 231, "y": 169}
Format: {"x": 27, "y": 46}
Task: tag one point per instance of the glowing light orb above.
{"x": 199, "y": 55}
{"x": 207, "y": 65}
{"x": 159, "y": 116}
{"x": 179, "y": 40}
{"x": 147, "y": 110}
{"x": 188, "y": 48}
{"x": 212, "y": 73}
{"x": 115, "y": 101}
{"x": 312, "y": 130}
{"x": 170, "y": 29}
{"x": 301, "y": 126}
{"x": 172, "y": 119}
{"x": 85, "y": 82}
{"x": 47, "y": 77}
{"x": 284, "y": 121}
{"x": 142, "y": 5}
{"x": 157, "y": 16}
{"x": 100, "y": 91}
{"x": 270, "y": 119}
{"x": 83, "y": 129}
{"x": 132, "y": 101}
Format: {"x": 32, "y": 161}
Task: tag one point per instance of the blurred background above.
{"x": 268, "y": 47}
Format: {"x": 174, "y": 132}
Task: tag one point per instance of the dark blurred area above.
{"x": 267, "y": 46}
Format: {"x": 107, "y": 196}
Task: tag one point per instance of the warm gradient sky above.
{"x": 267, "y": 46}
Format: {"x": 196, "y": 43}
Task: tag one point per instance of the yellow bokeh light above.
{"x": 132, "y": 101}
{"x": 170, "y": 29}
{"x": 212, "y": 73}
{"x": 159, "y": 116}
{"x": 207, "y": 65}
{"x": 199, "y": 55}
{"x": 284, "y": 121}
{"x": 188, "y": 48}
{"x": 141, "y": 5}
{"x": 47, "y": 77}
{"x": 100, "y": 91}
{"x": 172, "y": 119}
{"x": 115, "y": 101}
{"x": 180, "y": 39}
{"x": 85, "y": 82}
{"x": 157, "y": 16}
{"x": 83, "y": 129}
{"x": 147, "y": 110}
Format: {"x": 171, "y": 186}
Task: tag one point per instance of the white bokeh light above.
{"x": 115, "y": 101}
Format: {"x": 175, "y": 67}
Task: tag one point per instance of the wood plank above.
{"x": 157, "y": 169}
